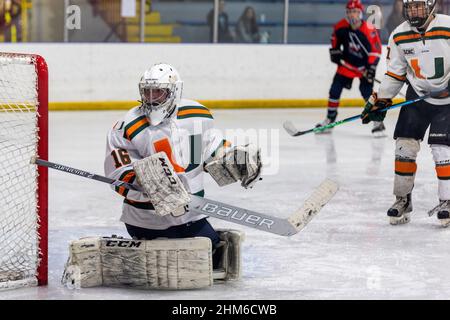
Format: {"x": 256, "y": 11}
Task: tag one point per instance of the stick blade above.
{"x": 290, "y": 128}
{"x": 315, "y": 202}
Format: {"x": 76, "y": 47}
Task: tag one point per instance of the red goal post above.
{"x": 24, "y": 192}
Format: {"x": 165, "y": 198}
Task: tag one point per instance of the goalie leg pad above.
{"x": 83, "y": 268}
{"x": 142, "y": 264}
{"x": 231, "y": 259}
{"x": 406, "y": 150}
{"x": 162, "y": 185}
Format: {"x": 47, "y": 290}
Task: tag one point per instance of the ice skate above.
{"x": 443, "y": 212}
{"x": 399, "y": 212}
{"x": 325, "y": 122}
{"x": 378, "y": 130}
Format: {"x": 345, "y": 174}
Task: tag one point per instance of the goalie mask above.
{"x": 160, "y": 89}
{"x": 418, "y": 12}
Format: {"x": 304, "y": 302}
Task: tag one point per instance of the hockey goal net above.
{"x": 23, "y": 192}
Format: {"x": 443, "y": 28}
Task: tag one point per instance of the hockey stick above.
{"x": 198, "y": 205}
{"x": 292, "y": 130}
{"x": 347, "y": 65}
{"x": 361, "y": 71}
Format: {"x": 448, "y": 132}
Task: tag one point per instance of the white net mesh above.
{"x": 18, "y": 178}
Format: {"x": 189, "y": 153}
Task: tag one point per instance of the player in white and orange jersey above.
{"x": 419, "y": 54}
{"x": 184, "y": 131}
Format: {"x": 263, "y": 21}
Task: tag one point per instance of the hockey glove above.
{"x": 336, "y": 55}
{"x": 370, "y": 109}
{"x": 162, "y": 185}
{"x": 370, "y": 73}
{"x": 241, "y": 163}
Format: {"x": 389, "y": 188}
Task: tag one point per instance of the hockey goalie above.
{"x": 165, "y": 145}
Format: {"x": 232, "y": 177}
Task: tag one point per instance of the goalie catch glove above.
{"x": 240, "y": 163}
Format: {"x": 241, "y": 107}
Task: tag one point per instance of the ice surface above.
{"x": 348, "y": 251}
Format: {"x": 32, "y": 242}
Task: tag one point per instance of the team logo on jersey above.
{"x": 163, "y": 145}
{"x": 438, "y": 68}
{"x": 354, "y": 47}
{"x": 408, "y": 51}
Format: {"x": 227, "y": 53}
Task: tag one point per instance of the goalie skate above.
{"x": 399, "y": 212}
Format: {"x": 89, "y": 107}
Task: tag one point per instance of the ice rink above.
{"x": 348, "y": 251}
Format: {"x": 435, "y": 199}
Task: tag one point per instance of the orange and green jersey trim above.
{"x": 133, "y": 128}
{"x": 406, "y": 37}
{"x": 127, "y": 176}
{"x": 396, "y": 76}
{"x": 194, "y": 112}
{"x": 438, "y": 33}
{"x": 432, "y": 34}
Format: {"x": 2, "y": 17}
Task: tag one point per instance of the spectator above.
{"x": 247, "y": 28}
{"x": 224, "y": 33}
{"x": 10, "y": 23}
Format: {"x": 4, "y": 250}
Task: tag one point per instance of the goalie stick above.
{"x": 198, "y": 205}
{"x": 293, "y": 131}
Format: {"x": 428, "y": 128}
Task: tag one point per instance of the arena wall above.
{"x": 105, "y": 76}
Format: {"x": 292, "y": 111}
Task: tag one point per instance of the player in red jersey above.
{"x": 356, "y": 49}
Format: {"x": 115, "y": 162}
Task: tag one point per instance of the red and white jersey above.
{"x": 188, "y": 138}
{"x": 422, "y": 59}
{"x": 360, "y": 48}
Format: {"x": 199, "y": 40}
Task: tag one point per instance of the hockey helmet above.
{"x": 418, "y": 12}
{"x": 354, "y": 4}
{"x": 160, "y": 88}
{"x": 354, "y": 17}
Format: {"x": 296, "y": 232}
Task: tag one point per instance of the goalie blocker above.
{"x": 152, "y": 264}
{"x": 157, "y": 177}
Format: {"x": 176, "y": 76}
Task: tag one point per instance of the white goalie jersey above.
{"x": 188, "y": 138}
{"x": 422, "y": 59}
